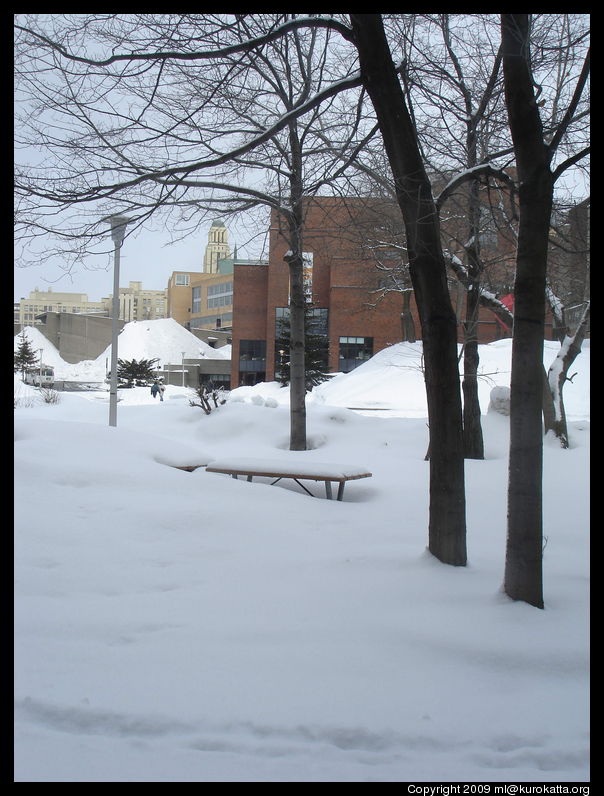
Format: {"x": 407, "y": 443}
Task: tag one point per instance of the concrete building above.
{"x": 138, "y": 304}
{"x": 76, "y": 336}
{"x": 40, "y": 301}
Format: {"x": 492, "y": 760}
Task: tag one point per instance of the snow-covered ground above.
{"x": 187, "y": 627}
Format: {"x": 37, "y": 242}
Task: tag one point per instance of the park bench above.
{"x": 328, "y": 472}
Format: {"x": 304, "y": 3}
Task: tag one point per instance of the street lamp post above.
{"x": 118, "y": 228}
{"x": 40, "y": 350}
{"x": 183, "y": 368}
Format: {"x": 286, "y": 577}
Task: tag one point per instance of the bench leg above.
{"x": 249, "y": 478}
{"x": 341, "y": 490}
{"x": 328, "y": 489}
{"x": 308, "y": 492}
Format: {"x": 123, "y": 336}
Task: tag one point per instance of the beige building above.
{"x": 40, "y": 301}
{"x": 217, "y": 247}
{"x": 179, "y": 296}
{"x": 136, "y": 304}
{"x": 204, "y": 300}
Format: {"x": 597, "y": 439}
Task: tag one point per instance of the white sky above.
{"x": 144, "y": 258}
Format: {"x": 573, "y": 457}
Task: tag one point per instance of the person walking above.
{"x": 155, "y": 389}
{"x": 162, "y": 389}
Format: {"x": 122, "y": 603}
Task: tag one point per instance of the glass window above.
{"x": 196, "y": 302}
{"x": 252, "y": 350}
{"x": 354, "y": 351}
{"x": 181, "y": 279}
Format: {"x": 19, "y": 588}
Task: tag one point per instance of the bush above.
{"x": 205, "y": 397}
{"x": 50, "y": 396}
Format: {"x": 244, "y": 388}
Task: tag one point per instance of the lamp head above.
{"x": 118, "y": 227}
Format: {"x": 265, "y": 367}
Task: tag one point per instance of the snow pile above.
{"x": 176, "y": 626}
{"x": 37, "y": 341}
{"x": 163, "y": 339}
{"x": 390, "y": 384}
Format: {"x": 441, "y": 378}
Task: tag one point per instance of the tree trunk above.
{"x": 472, "y": 429}
{"x": 407, "y": 322}
{"x": 297, "y": 374}
{"x": 447, "y": 523}
{"x": 297, "y": 300}
{"x": 558, "y": 376}
{"x": 523, "y": 568}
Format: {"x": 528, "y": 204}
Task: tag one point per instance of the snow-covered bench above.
{"x": 328, "y": 472}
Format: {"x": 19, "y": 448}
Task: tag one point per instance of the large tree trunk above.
{"x": 447, "y": 524}
{"x": 297, "y": 300}
{"x": 523, "y": 569}
{"x": 407, "y": 322}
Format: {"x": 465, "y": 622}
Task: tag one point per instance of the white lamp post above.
{"x": 183, "y": 368}
{"x": 40, "y": 350}
{"x": 118, "y": 228}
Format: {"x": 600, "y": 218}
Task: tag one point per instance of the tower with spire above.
{"x": 217, "y": 247}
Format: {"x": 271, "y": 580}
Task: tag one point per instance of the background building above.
{"x": 204, "y": 300}
{"x": 217, "y": 247}
{"x": 137, "y": 304}
{"x": 359, "y": 299}
{"x": 40, "y": 301}
{"x": 77, "y": 336}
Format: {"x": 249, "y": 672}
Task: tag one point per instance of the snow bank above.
{"x": 179, "y": 626}
{"x": 163, "y": 339}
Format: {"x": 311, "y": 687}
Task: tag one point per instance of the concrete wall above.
{"x": 216, "y": 336}
{"x": 76, "y": 336}
{"x": 196, "y": 371}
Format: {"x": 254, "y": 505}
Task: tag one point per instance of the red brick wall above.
{"x": 343, "y": 276}
{"x": 249, "y": 309}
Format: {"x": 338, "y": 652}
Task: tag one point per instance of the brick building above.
{"x": 348, "y": 280}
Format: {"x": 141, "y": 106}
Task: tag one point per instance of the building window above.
{"x": 196, "y": 306}
{"x": 353, "y": 352}
{"x": 252, "y": 361}
{"x": 223, "y": 287}
{"x": 220, "y": 295}
{"x": 252, "y": 351}
{"x": 181, "y": 280}
{"x": 218, "y": 379}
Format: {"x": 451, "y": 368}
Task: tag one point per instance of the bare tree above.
{"x": 183, "y": 115}
{"x": 110, "y": 99}
{"x": 534, "y": 155}
{"x": 447, "y": 529}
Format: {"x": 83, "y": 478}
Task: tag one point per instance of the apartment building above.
{"x": 136, "y": 304}
{"x": 40, "y": 301}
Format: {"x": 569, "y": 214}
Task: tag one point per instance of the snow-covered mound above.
{"x": 163, "y": 339}
{"x": 37, "y": 341}
{"x": 389, "y": 380}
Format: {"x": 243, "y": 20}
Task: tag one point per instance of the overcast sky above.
{"x": 144, "y": 258}
{"x": 147, "y": 258}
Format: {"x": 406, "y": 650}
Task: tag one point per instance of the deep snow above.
{"x": 187, "y": 627}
